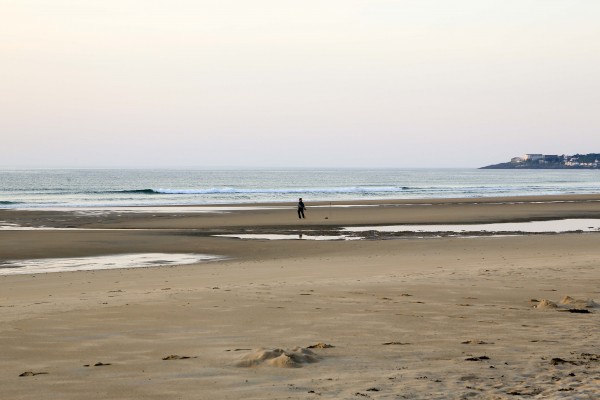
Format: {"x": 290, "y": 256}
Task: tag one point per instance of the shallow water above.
{"x": 281, "y": 236}
{"x": 5, "y": 226}
{"x": 553, "y": 226}
{"x": 142, "y": 260}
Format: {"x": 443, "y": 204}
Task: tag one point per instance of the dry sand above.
{"x": 444, "y": 318}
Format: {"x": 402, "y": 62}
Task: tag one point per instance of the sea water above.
{"x": 30, "y": 189}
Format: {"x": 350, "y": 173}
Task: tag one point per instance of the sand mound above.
{"x": 568, "y": 303}
{"x": 575, "y": 303}
{"x": 546, "y": 305}
{"x": 279, "y": 358}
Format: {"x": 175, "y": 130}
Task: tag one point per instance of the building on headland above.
{"x": 532, "y": 157}
{"x": 583, "y": 160}
{"x": 551, "y": 161}
{"x": 552, "y": 158}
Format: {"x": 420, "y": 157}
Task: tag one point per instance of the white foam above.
{"x": 154, "y": 210}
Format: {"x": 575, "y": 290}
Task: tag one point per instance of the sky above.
{"x": 311, "y": 83}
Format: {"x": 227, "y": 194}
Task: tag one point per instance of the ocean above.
{"x": 72, "y": 188}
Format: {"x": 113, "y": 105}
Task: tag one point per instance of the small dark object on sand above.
{"x": 98, "y": 364}
{"x": 480, "y": 358}
{"x": 176, "y": 357}
{"x": 533, "y": 392}
{"x": 31, "y": 373}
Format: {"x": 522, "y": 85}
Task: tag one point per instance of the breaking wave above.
{"x": 341, "y": 190}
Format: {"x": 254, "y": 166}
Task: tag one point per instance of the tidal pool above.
{"x": 141, "y": 260}
{"x": 281, "y": 236}
{"x": 553, "y": 226}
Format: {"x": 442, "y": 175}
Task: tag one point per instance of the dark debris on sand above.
{"x": 31, "y": 373}
{"x": 480, "y": 358}
{"x": 321, "y": 345}
{"x": 98, "y": 364}
{"x": 176, "y": 357}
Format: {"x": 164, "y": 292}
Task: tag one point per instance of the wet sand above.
{"x": 405, "y": 318}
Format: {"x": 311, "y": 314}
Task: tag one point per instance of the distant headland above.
{"x": 550, "y": 161}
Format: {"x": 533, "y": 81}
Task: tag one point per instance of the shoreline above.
{"x": 253, "y": 206}
{"x": 347, "y": 213}
{"x": 408, "y": 201}
{"x": 410, "y": 318}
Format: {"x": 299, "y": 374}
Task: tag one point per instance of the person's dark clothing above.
{"x": 301, "y": 209}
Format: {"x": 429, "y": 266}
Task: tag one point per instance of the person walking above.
{"x": 301, "y": 208}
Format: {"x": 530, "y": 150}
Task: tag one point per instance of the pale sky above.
{"x": 309, "y": 83}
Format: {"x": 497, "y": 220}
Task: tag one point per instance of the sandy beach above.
{"x": 407, "y": 317}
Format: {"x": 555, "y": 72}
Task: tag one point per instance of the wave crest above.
{"x": 353, "y": 189}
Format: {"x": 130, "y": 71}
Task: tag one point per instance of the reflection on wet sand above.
{"x": 553, "y": 226}
{"x": 43, "y": 265}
